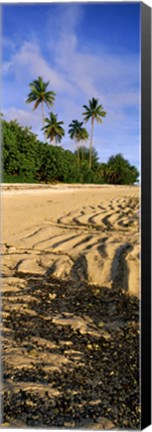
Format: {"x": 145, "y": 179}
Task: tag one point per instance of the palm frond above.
{"x": 53, "y": 128}
{"x": 38, "y": 93}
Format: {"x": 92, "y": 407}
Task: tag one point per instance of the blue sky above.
{"x": 85, "y": 50}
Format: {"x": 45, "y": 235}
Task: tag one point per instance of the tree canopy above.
{"x": 119, "y": 171}
{"x": 53, "y": 129}
{"x": 40, "y": 95}
{"x": 26, "y": 159}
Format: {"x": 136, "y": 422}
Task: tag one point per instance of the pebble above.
{"x": 93, "y": 392}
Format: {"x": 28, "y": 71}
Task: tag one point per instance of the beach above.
{"x": 70, "y": 305}
{"x": 53, "y": 228}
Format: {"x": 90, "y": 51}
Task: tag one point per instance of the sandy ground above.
{"x": 52, "y": 235}
{"x": 51, "y": 229}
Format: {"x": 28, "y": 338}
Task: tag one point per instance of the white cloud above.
{"x": 24, "y": 117}
{"x": 80, "y": 74}
{"x": 29, "y": 62}
{"x": 95, "y": 73}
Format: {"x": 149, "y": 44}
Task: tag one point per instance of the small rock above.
{"x": 12, "y": 249}
{"x": 69, "y": 424}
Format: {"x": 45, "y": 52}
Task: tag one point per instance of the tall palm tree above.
{"x": 84, "y": 136}
{"x": 94, "y": 112}
{"x": 53, "y": 128}
{"x": 40, "y": 95}
{"x": 75, "y": 133}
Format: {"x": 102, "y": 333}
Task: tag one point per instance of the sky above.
{"x": 84, "y": 50}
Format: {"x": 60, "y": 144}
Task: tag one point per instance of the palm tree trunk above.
{"x": 91, "y": 139}
{"x": 43, "y": 113}
{"x": 82, "y": 145}
{"x": 53, "y": 141}
{"x": 78, "y": 158}
{"x": 43, "y": 117}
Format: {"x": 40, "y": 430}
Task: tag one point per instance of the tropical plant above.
{"x": 84, "y": 136}
{"x": 21, "y": 152}
{"x": 119, "y": 171}
{"x": 94, "y": 112}
{"x": 84, "y": 153}
{"x": 53, "y": 129}
{"x": 40, "y": 95}
{"x": 26, "y": 159}
{"x": 75, "y": 131}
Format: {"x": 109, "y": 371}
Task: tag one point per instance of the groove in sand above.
{"x": 63, "y": 265}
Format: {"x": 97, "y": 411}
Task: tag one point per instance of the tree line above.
{"x": 26, "y": 159}
{"x": 53, "y": 129}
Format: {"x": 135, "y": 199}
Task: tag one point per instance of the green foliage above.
{"x": 75, "y": 132}
{"x": 53, "y": 129}
{"x": 26, "y": 159}
{"x": 21, "y": 151}
{"x": 75, "y": 128}
{"x": 58, "y": 165}
{"x": 93, "y": 112}
{"x": 39, "y": 93}
{"x": 119, "y": 171}
{"x": 84, "y": 154}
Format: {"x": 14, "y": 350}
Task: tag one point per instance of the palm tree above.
{"x": 53, "y": 128}
{"x": 84, "y": 136}
{"x": 75, "y": 133}
{"x": 40, "y": 95}
{"x": 94, "y": 112}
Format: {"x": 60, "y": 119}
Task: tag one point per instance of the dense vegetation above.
{"x": 26, "y": 159}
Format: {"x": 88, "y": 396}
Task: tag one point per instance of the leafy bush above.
{"x": 119, "y": 171}
{"x": 26, "y": 159}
